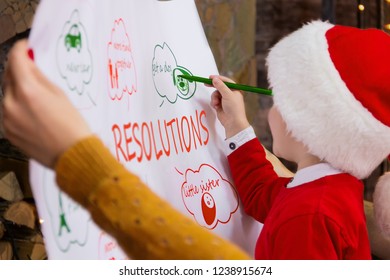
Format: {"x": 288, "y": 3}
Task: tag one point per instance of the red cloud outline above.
{"x": 223, "y": 179}
{"x": 133, "y": 89}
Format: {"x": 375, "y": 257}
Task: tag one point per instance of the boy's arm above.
{"x": 255, "y": 176}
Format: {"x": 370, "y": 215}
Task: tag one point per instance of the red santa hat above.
{"x": 331, "y": 85}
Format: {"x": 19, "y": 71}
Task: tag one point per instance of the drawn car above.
{"x": 73, "y": 38}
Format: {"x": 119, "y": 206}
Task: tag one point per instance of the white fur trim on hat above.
{"x": 317, "y": 106}
{"x": 382, "y": 204}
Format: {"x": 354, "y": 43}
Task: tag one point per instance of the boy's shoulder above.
{"x": 338, "y": 197}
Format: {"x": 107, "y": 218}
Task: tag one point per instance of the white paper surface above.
{"x": 118, "y": 62}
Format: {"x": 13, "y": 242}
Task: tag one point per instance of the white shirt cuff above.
{"x": 233, "y": 143}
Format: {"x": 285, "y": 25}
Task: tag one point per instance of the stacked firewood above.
{"x": 20, "y": 235}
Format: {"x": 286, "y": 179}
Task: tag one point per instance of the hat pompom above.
{"x": 382, "y": 204}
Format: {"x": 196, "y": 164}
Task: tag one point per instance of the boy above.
{"x": 330, "y": 117}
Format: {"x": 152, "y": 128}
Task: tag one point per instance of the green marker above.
{"x": 229, "y": 85}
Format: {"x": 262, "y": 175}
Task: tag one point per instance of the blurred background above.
{"x": 240, "y": 33}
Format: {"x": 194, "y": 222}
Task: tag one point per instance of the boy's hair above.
{"x": 331, "y": 86}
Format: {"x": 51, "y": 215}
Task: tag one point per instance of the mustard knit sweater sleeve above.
{"x": 145, "y": 226}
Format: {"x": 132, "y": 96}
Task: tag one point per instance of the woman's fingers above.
{"x": 13, "y": 116}
{"x": 19, "y": 67}
{"x": 38, "y": 116}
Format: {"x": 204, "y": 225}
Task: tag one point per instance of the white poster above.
{"x": 119, "y": 62}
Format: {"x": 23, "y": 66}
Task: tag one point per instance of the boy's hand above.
{"x": 229, "y": 105}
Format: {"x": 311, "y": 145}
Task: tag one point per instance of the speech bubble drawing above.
{"x": 166, "y": 74}
{"x": 122, "y": 75}
{"x": 69, "y": 221}
{"x": 74, "y": 58}
{"x": 209, "y": 197}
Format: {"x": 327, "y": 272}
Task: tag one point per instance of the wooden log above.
{"x": 30, "y": 249}
{"x": 2, "y": 229}
{"x": 6, "y": 250}
{"x": 4, "y": 204}
{"x": 21, "y": 170}
{"x": 14, "y": 231}
{"x": 9, "y": 187}
{"x": 21, "y": 213}
{"x": 39, "y": 250}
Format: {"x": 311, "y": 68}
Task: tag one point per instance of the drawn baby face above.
{"x": 209, "y": 209}
{"x": 208, "y": 200}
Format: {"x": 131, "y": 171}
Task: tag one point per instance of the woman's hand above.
{"x": 229, "y": 105}
{"x": 37, "y": 116}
